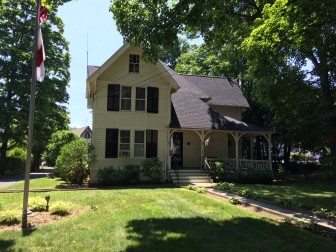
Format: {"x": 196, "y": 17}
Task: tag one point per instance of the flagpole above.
{"x": 31, "y": 121}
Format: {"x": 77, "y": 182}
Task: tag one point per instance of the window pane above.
{"x": 139, "y": 150}
{"x": 139, "y": 137}
{"x": 125, "y": 104}
{"x": 140, "y": 105}
{"x": 126, "y": 92}
{"x": 140, "y": 93}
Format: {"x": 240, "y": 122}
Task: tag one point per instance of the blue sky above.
{"x": 87, "y": 19}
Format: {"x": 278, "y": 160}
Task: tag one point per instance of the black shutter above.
{"x": 111, "y": 146}
{"x": 152, "y": 100}
{"x": 151, "y": 143}
{"x": 113, "y": 97}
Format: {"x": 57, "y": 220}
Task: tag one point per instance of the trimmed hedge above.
{"x": 225, "y": 174}
{"x": 110, "y": 175}
{"x": 12, "y": 166}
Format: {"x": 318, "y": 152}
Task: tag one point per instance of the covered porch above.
{"x": 201, "y": 149}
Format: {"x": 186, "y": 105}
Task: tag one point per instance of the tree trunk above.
{"x": 3, "y": 150}
{"x": 327, "y": 102}
{"x": 287, "y": 151}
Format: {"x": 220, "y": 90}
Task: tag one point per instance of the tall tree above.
{"x": 275, "y": 37}
{"x": 17, "y": 24}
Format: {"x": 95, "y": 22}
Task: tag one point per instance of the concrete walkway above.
{"x": 9, "y": 180}
{"x": 269, "y": 208}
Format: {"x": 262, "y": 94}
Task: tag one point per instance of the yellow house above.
{"x": 143, "y": 110}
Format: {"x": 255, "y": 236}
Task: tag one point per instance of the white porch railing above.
{"x": 242, "y": 163}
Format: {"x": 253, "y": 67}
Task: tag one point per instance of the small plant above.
{"x": 10, "y": 217}
{"x": 61, "y": 208}
{"x": 287, "y": 221}
{"x": 190, "y": 187}
{"x": 51, "y": 175}
{"x": 234, "y": 201}
{"x": 153, "y": 168}
{"x": 94, "y": 208}
{"x": 37, "y": 204}
{"x": 201, "y": 190}
{"x": 305, "y": 223}
{"x": 225, "y": 186}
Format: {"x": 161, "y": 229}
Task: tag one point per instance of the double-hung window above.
{"x": 124, "y": 145}
{"x": 139, "y": 143}
{"x": 126, "y": 98}
{"x": 134, "y": 63}
{"x": 140, "y": 99}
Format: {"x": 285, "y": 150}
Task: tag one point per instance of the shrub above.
{"x": 190, "y": 187}
{"x": 57, "y": 141}
{"x": 12, "y": 166}
{"x": 116, "y": 176}
{"x": 201, "y": 190}
{"x": 19, "y": 153}
{"x": 61, "y": 208}
{"x": 10, "y": 217}
{"x": 224, "y": 173}
{"x": 234, "y": 201}
{"x": 225, "y": 186}
{"x": 153, "y": 168}
{"x": 37, "y": 204}
{"x": 72, "y": 164}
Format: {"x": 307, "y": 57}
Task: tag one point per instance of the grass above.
{"x": 156, "y": 219}
{"x": 310, "y": 195}
{"x": 45, "y": 183}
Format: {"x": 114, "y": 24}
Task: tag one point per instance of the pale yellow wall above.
{"x": 129, "y": 120}
{"x": 233, "y": 112}
{"x": 191, "y": 152}
{"x": 217, "y": 146}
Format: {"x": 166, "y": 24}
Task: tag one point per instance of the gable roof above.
{"x": 82, "y": 130}
{"x": 192, "y": 103}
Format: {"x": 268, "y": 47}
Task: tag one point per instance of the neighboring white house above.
{"x": 143, "y": 110}
{"x": 83, "y": 132}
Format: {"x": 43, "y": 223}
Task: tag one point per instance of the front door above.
{"x": 176, "y": 150}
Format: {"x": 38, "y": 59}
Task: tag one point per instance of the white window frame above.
{"x": 140, "y": 99}
{"x": 123, "y": 144}
{"x": 139, "y": 144}
{"x": 134, "y": 66}
{"x": 127, "y": 99}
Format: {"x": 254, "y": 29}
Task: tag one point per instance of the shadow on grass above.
{"x": 204, "y": 234}
{"x": 7, "y": 245}
{"x": 27, "y": 231}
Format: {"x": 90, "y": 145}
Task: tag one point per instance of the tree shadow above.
{"x": 204, "y": 234}
{"x": 7, "y": 245}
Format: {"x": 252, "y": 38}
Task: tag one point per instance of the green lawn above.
{"x": 310, "y": 195}
{"x": 158, "y": 219}
{"x": 45, "y": 183}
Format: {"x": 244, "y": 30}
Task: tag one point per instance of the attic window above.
{"x": 134, "y": 63}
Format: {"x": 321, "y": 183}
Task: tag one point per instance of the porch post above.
{"x": 236, "y": 138}
{"x": 251, "y": 147}
{"x": 269, "y": 140}
{"x": 202, "y": 149}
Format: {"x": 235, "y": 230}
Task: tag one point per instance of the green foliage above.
{"x": 10, "y": 217}
{"x": 190, "y": 187}
{"x": 73, "y": 163}
{"x": 37, "y": 204}
{"x": 225, "y": 186}
{"x": 57, "y": 141}
{"x": 19, "y": 153}
{"x": 61, "y": 208}
{"x": 17, "y": 22}
{"x": 234, "y": 201}
{"x": 201, "y": 190}
{"x": 12, "y": 166}
{"x": 110, "y": 175}
{"x": 152, "y": 168}
{"x": 224, "y": 173}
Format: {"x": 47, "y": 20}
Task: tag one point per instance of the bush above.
{"x": 152, "y": 168}
{"x": 57, "y": 141}
{"x": 12, "y": 166}
{"x": 72, "y": 164}
{"x": 117, "y": 176}
{"x": 61, "y": 208}
{"x": 19, "y": 153}
{"x": 10, "y": 217}
{"x": 36, "y": 204}
{"x": 223, "y": 173}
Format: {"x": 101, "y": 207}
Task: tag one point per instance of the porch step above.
{"x": 189, "y": 176}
